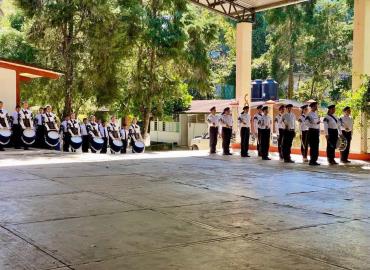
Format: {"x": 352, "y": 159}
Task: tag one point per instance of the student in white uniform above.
{"x": 16, "y": 128}
{"x": 65, "y": 133}
{"x": 213, "y": 127}
{"x": 304, "y": 132}
{"x": 113, "y": 132}
{"x": 4, "y": 121}
{"x": 332, "y": 130}
{"x": 313, "y": 122}
{"x": 93, "y": 130}
{"x": 125, "y": 137}
{"x": 346, "y": 123}
{"x": 289, "y": 122}
{"x": 85, "y": 136}
{"x": 26, "y": 120}
{"x": 265, "y": 125}
{"x": 50, "y": 123}
{"x": 134, "y": 132}
{"x": 104, "y": 134}
{"x": 256, "y": 132}
{"x": 226, "y": 121}
{"x": 280, "y": 129}
{"x": 244, "y": 125}
{"x": 73, "y": 127}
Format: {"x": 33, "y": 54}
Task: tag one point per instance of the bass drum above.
{"x": 28, "y": 136}
{"x": 5, "y": 135}
{"x": 116, "y": 145}
{"x": 76, "y": 142}
{"x": 52, "y": 138}
{"x": 96, "y": 144}
{"x": 138, "y": 147}
{"x": 342, "y": 143}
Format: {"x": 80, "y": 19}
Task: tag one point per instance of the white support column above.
{"x": 361, "y": 57}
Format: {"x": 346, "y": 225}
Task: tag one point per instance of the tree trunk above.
{"x": 68, "y": 59}
{"x": 291, "y": 64}
{"x": 312, "y": 87}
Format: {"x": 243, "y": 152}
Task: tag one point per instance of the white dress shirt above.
{"x": 279, "y": 123}
{"x": 226, "y": 121}
{"x": 331, "y": 122}
{"x": 313, "y": 120}
{"x": 244, "y": 120}
{"x": 4, "y": 115}
{"x": 38, "y": 119}
{"x": 213, "y": 120}
{"x": 302, "y": 123}
{"x": 124, "y": 133}
{"x": 83, "y": 130}
{"x": 265, "y": 122}
{"x": 73, "y": 126}
{"x": 256, "y": 119}
{"x": 346, "y": 123}
{"x": 288, "y": 120}
{"x": 103, "y": 131}
{"x": 16, "y": 116}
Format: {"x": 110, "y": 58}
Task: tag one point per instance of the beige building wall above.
{"x": 8, "y": 86}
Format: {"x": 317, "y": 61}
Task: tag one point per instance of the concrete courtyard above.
{"x": 180, "y": 210}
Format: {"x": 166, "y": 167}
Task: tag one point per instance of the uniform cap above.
{"x": 265, "y": 108}
{"x": 227, "y": 109}
{"x": 259, "y": 107}
{"x": 212, "y": 109}
{"x": 313, "y": 104}
{"x": 245, "y": 108}
{"x": 289, "y": 106}
{"x": 281, "y": 107}
{"x": 331, "y": 106}
{"x": 304, "y": 107}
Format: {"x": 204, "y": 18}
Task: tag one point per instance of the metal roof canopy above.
{"x": 243, "y": 10}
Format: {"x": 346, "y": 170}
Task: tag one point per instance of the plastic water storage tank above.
{"x": 270, "y": 90}
{"x": 257, "y": 90}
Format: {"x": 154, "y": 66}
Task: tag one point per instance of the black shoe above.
{"x": 266, "y": 158}
{"x": 247, "y": 155}
{"x": 289, "y": 161}
{"x": 17, "y": 147}
{"x": 314, "y": 164}
{"x": 2, "y": 149}
{"x": 333, "y": 162}
{"x": 345, "y": 161}
{"x": 26, "y": 148}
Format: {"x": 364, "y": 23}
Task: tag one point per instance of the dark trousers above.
{"x": 304, "y": 143}
{"x": 259, "y": 142}
{"x": 105, "y": 146}
{"x": 85, "y": 143}
{"x": 344, "y": 154}
{"x": 226, "y": 139}
{"x": 66, "y": 141}
{"x": 244, "y": 141}
{"x": 280, "y": 142}
{"x": 265, "y": 142}
{"x": 124, "y": 147}
{"x": 331, "y": 143}
{"x": 287, "y": 144}
{"x": 40, "y": 136}
{"x": 213, "y": 134}
{"x": 17, "y": 136}
{"x": 313, "y": 142}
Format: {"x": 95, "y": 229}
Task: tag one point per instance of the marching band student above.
{"x": 256, "y": 132}
{"x": 244, "y": 125}
{"x": 213, "y": 125}
{"x": 39, "y": 128}
{"x": 113, "y": 131}
{"x": 332, "y": 130}
{"x": 65, "y": 133}
{"x": 73, "y": 128}
{"x": 93, "y": 130}
{"x": 16, "y": 128}
{"x": 313, "y": 122}
{"x": 346, "y": 123}
{"x": 50, "y": 124}
{"x": 226, "y": 121}
{"x": 85, "y": 136}
{"x": 104, "y": 135}
{"x": 304, "y": 132}
{"x": 26, "y": 120}
{"x": 264, "y": 126}
{"x": 288, "y": 120}
{"x": 124, "y": 136}
{"x": 4, "y": 121}
{"x": 280, "y": 129}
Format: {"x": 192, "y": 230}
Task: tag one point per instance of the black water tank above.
{"x": 256, "y": 90}
{"x": 270, "y": 90}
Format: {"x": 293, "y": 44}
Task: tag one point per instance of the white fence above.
{"x": 168, "y": 132}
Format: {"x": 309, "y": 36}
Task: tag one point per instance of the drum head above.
{"x": 98, "y": 140}
{"x": 76, "y": 139}
{"x": 29, "y": 133}
{"x": 139, "y": 144}
{"x": 118, "y": 143}
{"x": 5, "y": 133}
{"x": 53, "y": 135}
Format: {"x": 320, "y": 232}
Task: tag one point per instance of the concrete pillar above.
{"x": 243, "y": 62}
{"x": 361, "y": 54}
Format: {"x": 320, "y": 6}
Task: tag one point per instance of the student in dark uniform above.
{"x": 66, "y": 134}
{"x": 346, "y": 123}
{"x": 213, "y": 124}
{"x": 313, "y": 123}
{"x": 85, "y": 136}
{"x": 256, "y": 132}
{"x": 125, "y": 137}
{"x": 304, "y": 132}
{"x": 226, "y": 122}
{"x": 16, "y": 128}
{"x": 279, "y": 127}
{"x": 39, "y": 129}
{"x": 4, "y": 121}
{"x": 244, "y": 125}
{"x": 104, "y": 134}
{"x": 288, "y": 120}
{"x": 332, "y": 130}
{"x": 265, "y": 124}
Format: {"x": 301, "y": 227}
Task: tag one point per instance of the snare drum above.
{"x": 52, "y": 138}
{"x": 76, "y": 142}
{"x": 96, "y": 144}
{"x": 5, "y": 135}
{"x": 138, "y": 147}
{"x": 28, "y": 136}
{"x": 116, "y": 145}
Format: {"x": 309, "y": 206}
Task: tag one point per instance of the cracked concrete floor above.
{"x": 180, "y": 210}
